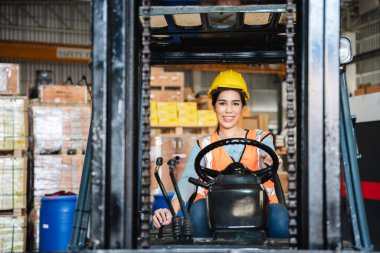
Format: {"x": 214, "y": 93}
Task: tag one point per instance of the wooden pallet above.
{"x": 64, "y": 151}
{"x": 180, "y": 130}
{"x": 13, "y": 212}
{"x": 13, "y": 153}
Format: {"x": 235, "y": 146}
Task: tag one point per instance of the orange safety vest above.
{"x": 250, "y": 158}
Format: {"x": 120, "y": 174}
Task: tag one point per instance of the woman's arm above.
{"x": 163, "y": 216}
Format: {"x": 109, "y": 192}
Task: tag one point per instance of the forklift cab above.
{"x": 220, "y": 34}
{"x": 129, "y": 38}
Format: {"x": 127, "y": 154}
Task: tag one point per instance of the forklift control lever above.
{"x": 198, "y": 182}
{"x": 159, "y": 161}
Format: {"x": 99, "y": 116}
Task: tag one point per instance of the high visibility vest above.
{"x": 218, "y": 159}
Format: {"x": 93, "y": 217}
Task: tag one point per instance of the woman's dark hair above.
{"x": 216, "y": 93}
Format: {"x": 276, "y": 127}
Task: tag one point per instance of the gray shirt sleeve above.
{"x": 185, "y": 188}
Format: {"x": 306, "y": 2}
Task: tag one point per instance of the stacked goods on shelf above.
{"x": 13, "y": 123}
{"x": 207, "y": 118}
{"x": 171, "y": 114}
{"x": 167, "y": 113}
{"x": 167, "y": 147}
{"x": 153, "y": 113}
{"x": 189, "y": 95}
{"x": 60, "y": 128}
{"x": 12, "y": 233}
{"x": 260, "y": 121}
{"x": 12, "y": 183}
{"x": 60, "y": 132}
{"x": 13, "y": 160}
{"x": 167, "y": 86}
{"x": 187, "y": 114}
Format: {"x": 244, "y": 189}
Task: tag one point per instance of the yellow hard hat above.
{"x": 229, "y": 79}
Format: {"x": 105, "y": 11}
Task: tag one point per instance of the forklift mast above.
{"x": 123, "y": 51}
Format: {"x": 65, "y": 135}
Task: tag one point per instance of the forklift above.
{"x": 114, "y": 210}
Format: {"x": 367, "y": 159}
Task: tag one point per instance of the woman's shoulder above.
{"x": 204, "y": 140}
{"x": 258, "y": 133}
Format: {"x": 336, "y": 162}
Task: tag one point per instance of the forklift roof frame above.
{"x": 116, "y": 124}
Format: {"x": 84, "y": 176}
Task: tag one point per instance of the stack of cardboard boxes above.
{"x": 168, "y": 108}
{"x": 179, "y": 114}
{"x": 187, "y": 114}
{"x": 60, "y": 122}
{"x": 366, "y": 88}
{"x": 13, "y": 160}
{"x": 167, "y": 86}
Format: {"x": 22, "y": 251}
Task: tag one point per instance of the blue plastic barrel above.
{"x": 56, "y": 222}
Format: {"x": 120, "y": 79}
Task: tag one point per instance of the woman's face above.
{"x": 228, "y": 108}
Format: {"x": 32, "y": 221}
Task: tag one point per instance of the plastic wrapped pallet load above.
{"x": 13, "y": 123}
{"x": 12, "y": 233}
{"x": 12, "y": 183}
{"x": 59, "y": 128}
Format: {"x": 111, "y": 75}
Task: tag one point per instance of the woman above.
{"x": 229, "y": 95}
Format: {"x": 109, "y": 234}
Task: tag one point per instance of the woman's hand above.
{"x": 162, "y": 217}
{"x": 266, "y": 160}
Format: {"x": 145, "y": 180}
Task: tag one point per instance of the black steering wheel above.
{"x": 206, "y": 174}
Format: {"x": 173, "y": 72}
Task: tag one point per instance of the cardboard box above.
{"x": 167, "y": 120}
{"x": 166, "y": 96}
{"x": 13, "y": 173}
{"x": 187, "y": 106}
{"x": 189, "y": 94}
{"x": 168, "y": 79}
{"x": 360, "y": 91}
{"x": 373, "y": 88}
{"x": 204, "y": 103}
{"x": 167, "y": 86}
{"x": 156, "y": 70}
{"x": 63, "y": 94}
{"x": 167, "y": 147}
{"x": 250, "y": 123}
{"x": 186, "y": 121}
{"x": 153, "y": 120}
{"x": 207, "y": 118}
{"x": 166, "y": 106}
{"x": 9, "y": 79}
{"x": 263, "y": 120}
{"x": 246, "y": 112}
{"x": 13, "y": 123}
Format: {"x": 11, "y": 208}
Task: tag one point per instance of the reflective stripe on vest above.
{"x": 218, "y": 159}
